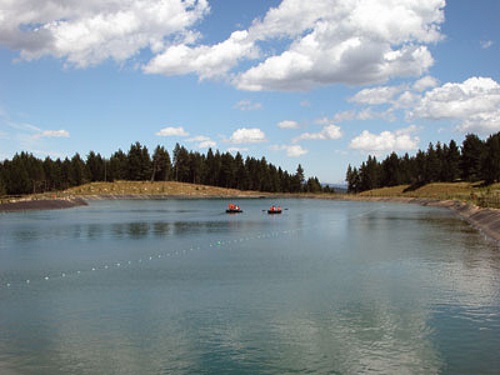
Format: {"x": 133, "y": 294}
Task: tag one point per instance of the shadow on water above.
{"x": 178, "y": 287}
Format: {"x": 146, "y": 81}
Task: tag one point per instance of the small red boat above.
{"x": 274, "y": 210}
{"x": 233, "y": 209}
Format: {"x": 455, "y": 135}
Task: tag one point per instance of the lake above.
{"x": 181, "y": 287}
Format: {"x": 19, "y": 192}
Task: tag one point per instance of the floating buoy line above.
{"x": 219, "y": 244}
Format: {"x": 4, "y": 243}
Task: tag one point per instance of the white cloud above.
{"x": 407, "y": 99}
{"x": 237, "y": 149}
{"x": 425, "y": 83}
{"x": 90, "y": 32}
{"x": 203, "y": 141}
{"x": 354, "y": 42}
{"x": 485, "y": 44}
{"x": 172, "y": 131}
{"x": 288, "y": 124}
{"x": 248, "y": 105}
{"x": 473, "y": 104}
{"x": 245, "y": 135}
{"x": 294, "y": 46}
{"x": 292, "y": 151}
{"x": 377, "y": 95}
{"x": 386, "y": 141}
{"x": 206, "y": 61}
{"x": 52, "y": 134}
{"x": 329, "y": 132}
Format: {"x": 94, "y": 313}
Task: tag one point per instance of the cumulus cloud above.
{"x": 349, "y": 42}
{"x": 202, "y": 141}
{"x": 205, "y": 61}
{"x": 248, "y": 135}
{"x": 248, "y": 105}
{"x": 52, "y": 134}
{"x": 383, "y": 102}
{"x": 329, "y": 132}
{"x": 425, "y": 83}
{"x": 90, "y": 32}
{"x": 288, "y": 124}
{"x": 377, "y": 95}
{"x": 474, "y": 105}
{"x": 386, "y": 141}
{"x": 292, "y": 151}
{"x": 172, "y": 132}
{"x": 294, "y": 46}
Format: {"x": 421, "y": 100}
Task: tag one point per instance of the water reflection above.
{"x": 336, "y": 288}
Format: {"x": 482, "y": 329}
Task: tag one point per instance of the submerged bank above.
{"x": 42, "y": 204}
{"x": 486, "y": 220}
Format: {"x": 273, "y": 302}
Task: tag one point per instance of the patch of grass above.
{"x": 167, "y": 188}
{"x": 463, "y": 191}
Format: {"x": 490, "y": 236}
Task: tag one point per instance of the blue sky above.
{"x": 323, "y": 83}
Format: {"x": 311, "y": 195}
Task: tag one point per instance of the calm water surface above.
{"x": 180, "y": 287}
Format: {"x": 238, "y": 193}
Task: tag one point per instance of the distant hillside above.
{"x": 147, "y": 188}
{"x": 338, "y": 188}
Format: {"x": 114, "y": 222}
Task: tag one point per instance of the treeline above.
{"x": 26, "y": 174}
{"x": 476, "y": 160}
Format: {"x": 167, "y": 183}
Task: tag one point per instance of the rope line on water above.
{"x": 121, "y": 264}
{"x": 11, "y": 284}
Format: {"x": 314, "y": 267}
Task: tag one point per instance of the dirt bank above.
{"x": 41, "y": 204}
{"x": 487, "y": 220}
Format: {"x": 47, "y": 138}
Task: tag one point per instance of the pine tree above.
{"x": 432, "y": 165}
{"x": 473, "y": 150}
{"x": 391, "y": 171}
{"x": 161, "y": 165}
{"x": 118, "y": 167}
{"x": 78, "y": 174}
{"x": 95, "y": 166}
{"x": 491, "y": 165}
{"x": 452, "y": 166}
{"x": 369, "y": 174}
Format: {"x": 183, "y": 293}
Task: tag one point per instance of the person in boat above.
{"x": 233, "y": 208}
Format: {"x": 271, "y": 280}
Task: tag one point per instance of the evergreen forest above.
{"x": 476, "y": 160}
{"x": 26, "y": 174}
